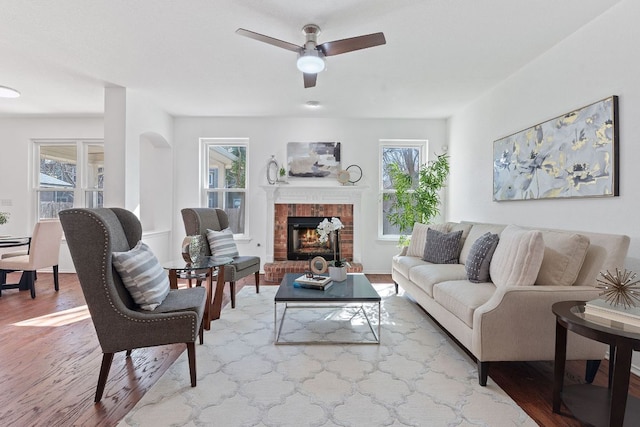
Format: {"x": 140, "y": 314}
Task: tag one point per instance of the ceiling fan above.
{"x": 311, "y": 54}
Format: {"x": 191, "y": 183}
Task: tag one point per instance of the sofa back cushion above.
{"x": 442, "y": 248}
{"x": 477, "y": 230}
{"x": 419, "y": 237}
{"x": 518, "y": 257}
{"x": 564, "y": 254}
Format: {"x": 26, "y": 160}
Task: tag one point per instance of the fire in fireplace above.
{"x": 303, "y": 240}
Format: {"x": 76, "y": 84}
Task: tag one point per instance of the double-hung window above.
{"x": 408, "y": 155}
{"x": 224, "y": 180}
{"x": 69, "y": 173}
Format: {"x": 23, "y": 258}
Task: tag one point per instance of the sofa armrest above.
{"x": 517, "y": 324}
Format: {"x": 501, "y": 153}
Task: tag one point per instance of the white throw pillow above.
{"x": 517, "y": 258}
{"x": 564, "y": 254}
{"x": 142, "y": 275}
{"x": 419, "y": 237}
{"x": 221, "y": 243}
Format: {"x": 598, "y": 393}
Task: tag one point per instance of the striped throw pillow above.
{"x": 221, "y": 243}
{"x": 142, "y": 275}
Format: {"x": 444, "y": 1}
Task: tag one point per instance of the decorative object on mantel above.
{"x": 343, "y": 177}
{"x": 282, "y": 175}
{"x": 193, "y": 248}
{"x": 272, "y": 170}
{"x": 318, "y": 265}
{"x": 620, "y": 289}
{"x": 329, "y": 230}
{"x": 4, "y": 217}
{"x": 573, "y": 155}
{"x": 355, "y": 173}
{"x": 313, "y": 159}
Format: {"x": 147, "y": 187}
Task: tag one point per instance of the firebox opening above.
{"x": 303, "y": 242}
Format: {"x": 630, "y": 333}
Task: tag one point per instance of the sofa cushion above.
{"x": 476, "y": 231}
{"x": 221, "y": 243}
{"x": 461, "y": 297}
{"x": 564, "y": 254}
{"x": 142, "y": 275}
{"x": 405, "y": 263}
{"x": 419, "y": 237}
{"x": 479, "y": 259}
{"x": 517, "y": 259}
{"x": 442, "y": 248}
{"x": 466, "y": 229}
{"x": 427, "y": 275}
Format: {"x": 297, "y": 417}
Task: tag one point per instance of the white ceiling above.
{"x": 185, "y": 55}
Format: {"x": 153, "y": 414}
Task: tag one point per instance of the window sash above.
{"x": 386, "y": 231}
{"x": 224, "y": 180}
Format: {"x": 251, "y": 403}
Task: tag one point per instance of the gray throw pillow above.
{"x": 479, "y": 258}
{"x": 442, "y": 248}
{"x": 142, "y": 275}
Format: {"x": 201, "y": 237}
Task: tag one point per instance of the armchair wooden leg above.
{"x": 128, "y": 354}
{"x": 107, "y": 358}
{"x": 3, "y": 279}
{"x": 232, "y": 286}
{"x": 56, "y": 284}
{"x": 257, "y": 282}
{"x": 201, "y": 332}
{"x": 191, "y": 352}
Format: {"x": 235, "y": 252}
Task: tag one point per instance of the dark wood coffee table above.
{"x": 356, "y": 290}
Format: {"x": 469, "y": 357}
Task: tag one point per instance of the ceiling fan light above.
{"x": 310, "y": 62}
{"x": 7, "y": 92}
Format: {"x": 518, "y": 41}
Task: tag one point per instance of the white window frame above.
{"x": 82, "y": 161}
{"x": 422, "y": 145}
{"x": 205, "y": 144}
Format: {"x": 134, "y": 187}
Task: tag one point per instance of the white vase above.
{"x": 338, "y": 274}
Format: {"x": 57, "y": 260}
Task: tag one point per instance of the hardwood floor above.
{"x": 51, "y": 358}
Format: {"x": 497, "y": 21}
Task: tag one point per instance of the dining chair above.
{"x": 96, "y": 237}
{"x": 43, "y": 252}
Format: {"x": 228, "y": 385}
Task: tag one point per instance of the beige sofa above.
{"x": 508, "y": 322}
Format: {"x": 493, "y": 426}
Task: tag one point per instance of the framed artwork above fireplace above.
{"x": 313, "y": 159}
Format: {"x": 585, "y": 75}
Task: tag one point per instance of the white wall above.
{"x": 267, "y": 136}
{"x": 595, "y": 62}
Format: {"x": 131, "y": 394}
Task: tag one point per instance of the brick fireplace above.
{"x": 283, "y": 211}
{"x": 324, "y": 201}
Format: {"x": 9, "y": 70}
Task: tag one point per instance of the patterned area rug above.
{"x": 415, "y": 377}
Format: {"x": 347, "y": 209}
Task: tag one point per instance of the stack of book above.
{"x": 602, "y": 309}
{"x": 321, "y": 283}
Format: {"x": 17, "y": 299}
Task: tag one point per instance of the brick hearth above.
{"x": 275, "y": 271}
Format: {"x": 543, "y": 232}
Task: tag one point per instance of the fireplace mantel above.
{"x": 314, "y": 194}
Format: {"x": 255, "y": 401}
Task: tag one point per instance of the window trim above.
{"x": 82, "y": 160}
{"x": 423, "y": 146}
{"x": 205, "y": 143}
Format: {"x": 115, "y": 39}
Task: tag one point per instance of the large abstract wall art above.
{"x": 573, "y": 155}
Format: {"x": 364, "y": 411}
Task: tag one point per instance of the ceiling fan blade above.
{"x": 309, "y": 79}
{"x": 337, "y": 47}
{"x": 269, "y": 40}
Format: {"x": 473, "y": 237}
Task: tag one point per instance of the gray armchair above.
{"x": 197, "y": 221}
{"x": 92, "y": 236}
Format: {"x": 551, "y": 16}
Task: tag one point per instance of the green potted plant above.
{"x": 416, "y": 201}
{"x": 4, "y": 217}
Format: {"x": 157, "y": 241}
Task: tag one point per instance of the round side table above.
{"x": 597, "y": 406}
